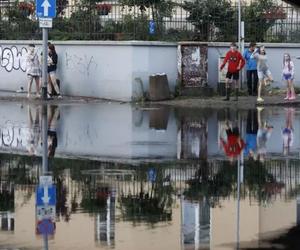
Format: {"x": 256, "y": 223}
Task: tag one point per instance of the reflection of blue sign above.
{"x": 45, "y": 226}
{"x": 152, "y": 175}
{"x": 46, "y": 195}
{"x": 46, "y": 8}
{"x": 151, "y": 27}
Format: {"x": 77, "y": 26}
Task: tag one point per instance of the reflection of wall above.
{"x": 7, "y": 221}
{"x": 105, "y": 222}
{"x": 195, "y": 225}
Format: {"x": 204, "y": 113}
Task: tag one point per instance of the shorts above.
{"x": 287, "y": 77}
{"x": 52, "y": 73}
{"x": 234, "y": 131}
{"x": 31, "y": 77}
{"x": 263, "y": 74}
{"x": 234, "y": 76}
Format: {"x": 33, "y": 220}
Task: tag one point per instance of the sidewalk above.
{"x": 188, "y": 102}
{"x": 243, "y": 102}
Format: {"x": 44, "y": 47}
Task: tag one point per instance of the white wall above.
{"x": 114, "y": 70}
{"x": 110, "y": 70}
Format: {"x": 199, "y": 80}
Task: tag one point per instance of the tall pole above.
{"x": 239, "y": 23}
{"x": 45, "y": 140}
{"x": 44, "y": 64}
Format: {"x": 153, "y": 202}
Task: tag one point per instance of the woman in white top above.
{"x": 263, "y": 72}
{"x": 288, "y": 76}
{"x": 33, "y": 69}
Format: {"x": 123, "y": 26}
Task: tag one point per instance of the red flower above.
{"x": 26, "y": 7}
{"x": 104, "y": 7}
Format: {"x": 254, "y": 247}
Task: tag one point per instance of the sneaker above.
{"x": 259, "y": 99}
{"x": 292, "y": 97}
{"x": 59, "y": 96}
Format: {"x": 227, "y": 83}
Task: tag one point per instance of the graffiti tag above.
{"x": 84, "y": 65}
{"x": 13, "y": 58}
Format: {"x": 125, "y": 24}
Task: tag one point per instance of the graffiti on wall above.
{"x": 85, "y": 65}
{"x": 13, "y": 58}
{"x": 193, "y": 65}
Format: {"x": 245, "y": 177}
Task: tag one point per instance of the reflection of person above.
{"x": 287, "y": 132}
{"x": 235, "y": 63}
{"x": 251, "y": 134}
{"x": 52, "y": 66}
{"x": 34, "y": 135}
{"x": 233, "y": 144}
{"x": 288, "y": 76}
{"x": 263, "y": 71}
{"x": 263, "y": 134}
{"x": 33, "y": 70}
{"x": 251, "y": 67}
{"x": 53, "y": 116}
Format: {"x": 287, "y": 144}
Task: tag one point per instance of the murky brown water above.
{"x": 151, "y": 178}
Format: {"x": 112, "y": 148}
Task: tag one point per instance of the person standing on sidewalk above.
{"x": 263, "y": 72}
{"x": 288, "y": 76}
{"x": 33, "y": 70}
{"x": 235, "y": 63}
{"x": 52, "y": 66}
{"x": 251, "y": 68}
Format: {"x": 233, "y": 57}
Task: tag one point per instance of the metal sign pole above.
{"x": 45, "y": 140}
{"x": 44, "y": 64}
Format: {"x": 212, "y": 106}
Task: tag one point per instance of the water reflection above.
{"x": 231, "y": 169}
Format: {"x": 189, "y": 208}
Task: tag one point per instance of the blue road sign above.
{"x": 45, "y": 226}
{"x": 46, "y": 195}
{"x": 151, "y": 175}
{"x": 46, "y": 8}
{"x": 151, "y": 27}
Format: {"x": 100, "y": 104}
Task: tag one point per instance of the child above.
{"x": 235, "y": 63}
{"x": 33, "y": 70}
{"x": 288, "y": 76}
{"x": 263, "y": 72}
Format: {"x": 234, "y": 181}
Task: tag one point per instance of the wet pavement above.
{"x": 131, "y": 176}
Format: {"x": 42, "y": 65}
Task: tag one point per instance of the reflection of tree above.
{"x": 7, "y": 200}
{"x": 213, "y": 185}
{"x": 61, "y": 199}
{"x": 149, "y": 205}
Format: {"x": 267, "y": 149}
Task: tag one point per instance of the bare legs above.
{"x": 290, "y": 95}
{"x": 29, "y": 85}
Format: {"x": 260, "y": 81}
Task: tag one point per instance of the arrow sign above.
{"x": 46, "y": 195}
{"x": 46, "y": 198}
{"x": 45, "y": 8}
{"x": 46, "y": 5}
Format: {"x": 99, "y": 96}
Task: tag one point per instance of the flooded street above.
{"x": 127, "y": 177}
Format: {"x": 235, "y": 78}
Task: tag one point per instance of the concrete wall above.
{"x": 110, "y": 70}
{"x": 115, "y": 70}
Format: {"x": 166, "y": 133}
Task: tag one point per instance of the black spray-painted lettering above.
{"x": 13, "y": 58}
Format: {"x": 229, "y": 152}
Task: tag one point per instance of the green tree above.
{"x": 158, "y": 9}
{"x": 259, "y": 17}
{"x": 211, "y": 18}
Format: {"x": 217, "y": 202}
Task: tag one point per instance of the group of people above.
{"x": 258, "y": 72}
{"x": 258, "y": 131}
{"x": 34, "y": 72}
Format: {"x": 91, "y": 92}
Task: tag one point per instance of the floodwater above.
{"x": 153, "y": 177}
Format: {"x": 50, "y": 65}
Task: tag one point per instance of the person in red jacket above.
{"x": 235, "y": 62}
{"x": 234, "y": 144}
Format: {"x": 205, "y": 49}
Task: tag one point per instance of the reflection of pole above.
{"x": 45, "y": 139}
{"x": 238, "y": 204}
{"x": 45, "y": 237}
